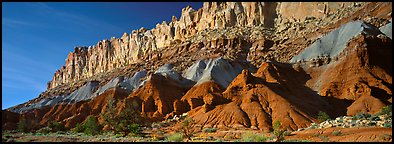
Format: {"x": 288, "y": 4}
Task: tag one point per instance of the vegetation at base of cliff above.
{"x": 90, "y": 126}
{"x": 252, "y": 137}
{"x": 187, "y": 128}
{"x": 278, "y": 132}
{"x": 322, "y": 116}
{"x": 175, "y": 137}
{"x": 126, "y": 122}
{"x": 24, "y": 125}
{"x": 56, "y": 126}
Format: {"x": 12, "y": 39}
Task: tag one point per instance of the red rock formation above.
{"x": 205, "y": 93}
{"x": 363, "y": 70}
{"x": 255, "y": 104}
{"x": 157, "y": 96}
{"x": 358, "y": 80}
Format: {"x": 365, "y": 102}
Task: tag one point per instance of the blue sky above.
{"x": 36, "y": 37}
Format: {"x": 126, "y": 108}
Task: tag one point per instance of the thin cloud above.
{"x": 17, "y": 79}
{"x": 14, "y": 22}
{"x": 81, "y": 20}
{"x": 19, "y": 59}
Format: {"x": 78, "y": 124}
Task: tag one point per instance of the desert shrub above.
{"x": 340, "y": 120}
{"x": 374, "y": 118}
{"x": 156, "y": 125}
{"x": 316, "y": 135}
{"x": 135, "y": 128}
{"x": 187, "y": 128}
{"x": 296, "y": 141}
{"x": 118, "y": 135}
{"x": 120, "y": 123}
{"x": 278, "y": 132}
{"x": 209, "y": 130}
{"x": 322, "y": 116}
{"x": 252, "y": 137}
{"x": 108, "y": 115}
{"x": 386, "y": 110}
{"x": 387, "y": 125}
{"x": 121, "y": 126}
{"x": 56, "y": 126}
{"x": 362, "y": 115}
{"x": 24, "y": 125}
{"x": 44, "y": 130}
{"x": 313, "y": 126}
{"x": 91, "y": 126}
{"x": 336, "y": 133}
{"x": 286, "y": 133}
{"x": 371, "y": 123}
{"x": 78, "y": 128}
{"x": 324, "y": 138}
{"x": 176, "y": 137}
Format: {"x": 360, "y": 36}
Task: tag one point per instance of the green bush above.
{"x": 386, "y": 110}
{"x": 374, "y": 118}
{"x": 209, "y": 130}
{"x": 56, "y": 126}
{"x": 118, "y": 135}
{"x": 362, "y": 115}
{"x": 322, "y": 116}
{"x": 251, "y": 137}
{"x": 324, "y": 138}
{"x": 278, "y": 132}
{"x": 336, "y": 133}
{"x": 187, "y": 128}
{"x": 176, "y": 137}
{"x": 91, "y": 126}
{"x": 313, "y": 126}
{"x": 120, "y": 123}
{"x": 134, "y": 128}
{"x": 24, "y": 125}
{"x": 387, "y": 125}
{"x": 78, "y": 128}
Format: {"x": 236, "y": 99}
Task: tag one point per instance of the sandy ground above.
{"x": 364, "y": 134}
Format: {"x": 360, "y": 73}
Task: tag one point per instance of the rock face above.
{"x": 87, "y": 92}
{"x": 387, "y": 29}
{"x": 107, "y": 55}
{"x": 212, "y": 70}
{"x": 231, "y": 64}
{"x": 299, "y": 11}
{"x": 139, "y": 45}
{"x": 334, "y": 42}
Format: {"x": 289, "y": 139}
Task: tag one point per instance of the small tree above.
{"x": 78, "y": 128}
{"x": 56, "y": 126}
{"x": 24, "y": 125}
{"x": 134, "y": 128}
{"x": 121, "y": 123}
{"x": 109, "y": 115}
{"x": 91, "y": 126}
{"x": 187, "y": 128}
{"x": 278, "y": 132}
{"x": 322, "y": 116}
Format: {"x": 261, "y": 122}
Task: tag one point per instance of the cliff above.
{"x": 139, "y": 45}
